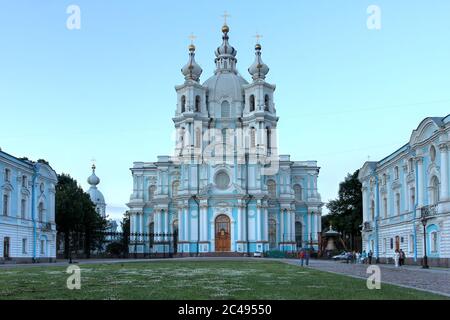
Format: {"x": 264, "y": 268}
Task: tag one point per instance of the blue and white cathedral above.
{"x": 225, "y": 189}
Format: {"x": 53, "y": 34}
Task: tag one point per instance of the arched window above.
{"x": 272, "y": 188}
{"x": 197, "y": 104}
{"x": 182, "y": 133}
{"x": 432, "y": 153}
{"x": 266, "y": 102}
{"x": 252, "y": 137}
{"x": 434, "y": 190}
{"x": 151, "y": 192}
{"x": 252, "y": 103}
{"x": 175, "y": 186}
{"x": 225, "y": 109}
{"x": 384, "y": 179}
{"x": 183, "y": 104}
{"x": 397, "y": 203}
{"x": 298, "y": 192}
{"x": 41, "y": 212}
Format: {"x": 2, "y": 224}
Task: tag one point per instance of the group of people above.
{"x": 399, "y": 258}
{"x": 366, "y": 257}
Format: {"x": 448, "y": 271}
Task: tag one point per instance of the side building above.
{"x": 406, "y": 198}
{"x": 27, "y": 210}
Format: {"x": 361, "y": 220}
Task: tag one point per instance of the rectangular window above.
{"x": 7, "y": 175}
{"x": 392, "y": 243}
{"x": 397, "y": 203}
{"x": 434, "y": 240}
{"x": 24, "y": 181}
{"x": 385, "y": 207}
{"x": 24, "y": 246}
{"x": 5, "y": 204}
{"x": 411, "y": 243}
{"x": 42, "y": 246}
{"x": 384, "y": 245}
{"x": 23, "y": 207}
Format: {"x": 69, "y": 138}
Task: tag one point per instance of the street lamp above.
{"x": 425, "y": 258}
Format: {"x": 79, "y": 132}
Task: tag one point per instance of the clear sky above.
{"x": 106, "y": 91}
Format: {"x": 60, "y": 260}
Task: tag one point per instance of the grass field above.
{"x": 193, "y": 280}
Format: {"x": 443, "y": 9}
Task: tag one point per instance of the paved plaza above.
{"x": 436, "y": 280}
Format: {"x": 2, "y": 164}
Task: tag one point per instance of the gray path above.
{"x": 431, "y": 280}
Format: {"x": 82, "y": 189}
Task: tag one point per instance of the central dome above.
{"x": 225, "y": 84}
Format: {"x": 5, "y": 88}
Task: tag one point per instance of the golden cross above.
{"x": 258, "y": 37}
{"x": 225, "y": 16}
{"x": 192, "y": 37}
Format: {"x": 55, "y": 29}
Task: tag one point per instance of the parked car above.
{"x": 343, "y": 256}
{"x": 258, "y": 254}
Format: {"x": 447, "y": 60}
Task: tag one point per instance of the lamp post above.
{"x": 425, "y": 258}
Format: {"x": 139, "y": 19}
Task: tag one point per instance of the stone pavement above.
{"x": 435, "y": 280}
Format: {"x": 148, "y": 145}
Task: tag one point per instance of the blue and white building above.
{"x": 405, "y": 189}
{"x": 27, "y": 210}
{"x": 225, "y": 189}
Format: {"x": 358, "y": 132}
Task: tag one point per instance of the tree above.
{"x": 76, "y": 214}
{"x": 346, "y": 211}
{"x": 125, "y": 225}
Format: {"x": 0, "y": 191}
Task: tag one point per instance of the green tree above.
{"x": 346, "y": 211}
{"x": 76, "y": 215}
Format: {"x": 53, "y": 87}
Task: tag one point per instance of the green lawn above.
{"x": 193, "y": 280}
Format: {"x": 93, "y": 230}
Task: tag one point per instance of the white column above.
{"x": 203, "y": 224}
{"x": 293, "y": 226}
{"x": 310, "y": 228}
{"x": 365, "y": 204}
{"x": 258, "y": 222}
{"x": 444, "y": 196}
{"x": 186, "y": 224}
{"x": 266, "y": 224}
{"x": 282, "y": 235}
{"x": 420, "y": 189}
{"x": 166, "y": 224}
{"x": 180, "y": 225}
{"x": 239, "y": 223}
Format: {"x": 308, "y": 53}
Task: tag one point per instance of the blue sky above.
{"x": 106, "y": 91}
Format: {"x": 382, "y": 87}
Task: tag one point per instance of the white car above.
{"x": 257, "y": 254}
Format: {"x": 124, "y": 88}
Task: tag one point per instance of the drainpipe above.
{"x": 33, "y": 208}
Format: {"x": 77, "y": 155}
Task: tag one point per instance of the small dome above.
{"x": 93, "y": 180}
{"x": 258, "y": 70}
{"x": 226, "y": 84}
{"x": 225, "y": 49}
{"x": 192, "y": 70}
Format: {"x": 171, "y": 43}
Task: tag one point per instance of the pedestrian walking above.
{"x": 302, "y": 256}
{"x": 369, "y": 256}
{"x": 396, "y": 258}
{"x": 402, "y": 257}
{"x": 307, "y": 257}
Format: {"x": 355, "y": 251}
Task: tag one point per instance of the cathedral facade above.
{"x": 225, "y": 189}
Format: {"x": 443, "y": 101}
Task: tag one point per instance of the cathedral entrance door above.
{"x": 223, "y": 236}
{"x": 6, "y": 247}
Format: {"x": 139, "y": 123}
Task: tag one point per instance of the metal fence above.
{"x": 106, "y": 244}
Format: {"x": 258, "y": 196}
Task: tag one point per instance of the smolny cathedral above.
{"x": 225, "y": 189}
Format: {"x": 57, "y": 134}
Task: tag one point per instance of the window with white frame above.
{"x": 432, "y": 153}
{"x": 396, "y": 175}
{"x": 7, "y": 175}
{"x": 434, "y": 241}
{"x": 434, "y": 190}
{"x": 384, "y": 245}
{"x": 411, "y": 165}
{"x": 42, "y": 247}
{"x": 385, "y": 207}
{"x": 372, "y": 210}
{"x": 412, "y": 198}
{"x": 5, "y": 204}
{"x": 397, "y": 203}
{"x": 23, "y": 208}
